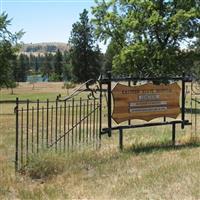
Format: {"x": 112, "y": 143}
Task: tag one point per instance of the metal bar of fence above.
{"x": 68, "y": 127}
{"x": 60, "y": 126}
{"x": 180, "y": 78}
{"x": 32, "y": 132}
{"x": 32, "y": 102}
{"x": 64, "y": 118}
{"x": 56, "y": 124}
{"x": 100, "y": 112}
{"x": 51, "y": 136}
{"x": 97, "y": 127}
{"x": 105, "y": 130}
{"x": 22, "y": 137}
{"x": 76, "y": 120}
{"x": 74, "y": 125}
{"x": 195, "y": 116}
{"x": 129, "y": 84}
{"x": 38, "y": 125}
{"x": 90, "y": 123}
{"x": 80, "y": 116}
{"x": 27, "y": 130}
{"x": 109, "y": 104}
{"x": 87, "y": 123}
{"x": 17, "y": 135}
{"x": 183, "y": 102}
{"x": 83, "y": 123}
{"x": 42, "y": 127}
{"x": 47, "y": 124}
{"x": 94, "y": 115}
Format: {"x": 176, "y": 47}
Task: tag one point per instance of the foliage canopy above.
{"x": 8, "y": 48}
{"x": 148, "y": 34}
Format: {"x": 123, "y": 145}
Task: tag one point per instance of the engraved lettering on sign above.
{"x": 152, "y": 103}
{"x": 148, "y": 109}
{"x": 148, "y": 97}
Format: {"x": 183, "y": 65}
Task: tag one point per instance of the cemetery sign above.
{"x": 145, "y": 102}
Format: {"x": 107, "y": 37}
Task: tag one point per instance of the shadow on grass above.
{"x": 162, "y": 146}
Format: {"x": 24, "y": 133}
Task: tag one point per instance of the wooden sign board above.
{"x": 145, "y": 102}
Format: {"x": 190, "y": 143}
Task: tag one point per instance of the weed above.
{"x": 45, "y": 165}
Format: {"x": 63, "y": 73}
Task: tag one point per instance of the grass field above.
{"x": 148, "y": 167}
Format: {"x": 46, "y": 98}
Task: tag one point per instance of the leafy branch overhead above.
{"x": 8, "y": 48}
{"x": 148, "y": 35}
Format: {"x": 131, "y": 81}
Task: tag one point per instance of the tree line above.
{"x": 145, "y": 38}
{"x": 53, "y": 67}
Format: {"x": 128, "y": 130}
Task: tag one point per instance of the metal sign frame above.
{"x": 109, "y": 80}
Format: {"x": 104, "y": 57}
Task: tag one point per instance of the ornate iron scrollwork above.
{"x": 93, "y": 88}
{"x": 195, "y": 87}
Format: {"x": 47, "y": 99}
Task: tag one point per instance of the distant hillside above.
{"x": 42, "y": 48}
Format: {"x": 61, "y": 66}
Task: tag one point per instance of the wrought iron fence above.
{"x": 62, "y": 125}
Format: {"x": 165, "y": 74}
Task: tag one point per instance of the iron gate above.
{"x": 61, "y": 125}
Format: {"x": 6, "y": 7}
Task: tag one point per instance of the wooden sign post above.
{"x": 145, "y": 102}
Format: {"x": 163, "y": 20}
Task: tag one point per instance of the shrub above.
{"x": 45, "y": 165}
{"x": 54, "y": 77}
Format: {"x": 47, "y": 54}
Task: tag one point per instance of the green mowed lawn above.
{"x": 148, "y": 167}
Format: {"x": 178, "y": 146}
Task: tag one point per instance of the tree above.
{"x": 195, "y": 51}
{"x": 47, "y": 65}
{"x": 58, "y": 65}
{"x": 23, "y": 63}
{"x": 85, "y": 56}
{"x": 148, "y": 34}
{"x": 8, "y": 48}
{"x": 109, "y": 56}
{"x": 67, "y": 69}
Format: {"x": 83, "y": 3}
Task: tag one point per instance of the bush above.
{"x": 45, "y": 165}
{"x": 54, "y": 77}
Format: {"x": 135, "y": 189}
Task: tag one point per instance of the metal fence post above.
{"x": 121, "y": 139}
{"x": 109, "y": 104}
{"x": 173, "y": 134}
{"x": 17, "y": 134}
{"x": 129, "y": 84}
{"x": 183, "y": 102}
{"x": 100, "y": 109}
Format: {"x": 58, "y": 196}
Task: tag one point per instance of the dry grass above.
{"x": 148, "y": 168}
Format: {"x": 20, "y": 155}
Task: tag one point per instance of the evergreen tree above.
{"x": 8, "y": 48}
{"x": 47, "y": 65}
{"x": 58, "y": 65}
{"x": 67, "y": 70}
{"x": 32, "y": 62}
{"x": 36, "y": 67}
{"x": 22, "y": 68}
{"x": 84, "y": 56}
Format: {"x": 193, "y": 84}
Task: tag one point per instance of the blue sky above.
{"x": 44, "y": 20}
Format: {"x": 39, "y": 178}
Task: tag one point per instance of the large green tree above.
{"x": 85, "y": 55}
{"x": 8, "y": 48}
{"x": 58, "y": 65}
{"x": 47, "y": 65}
{"x": 20, "y": 67}
{"x": 148, "y": 35}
